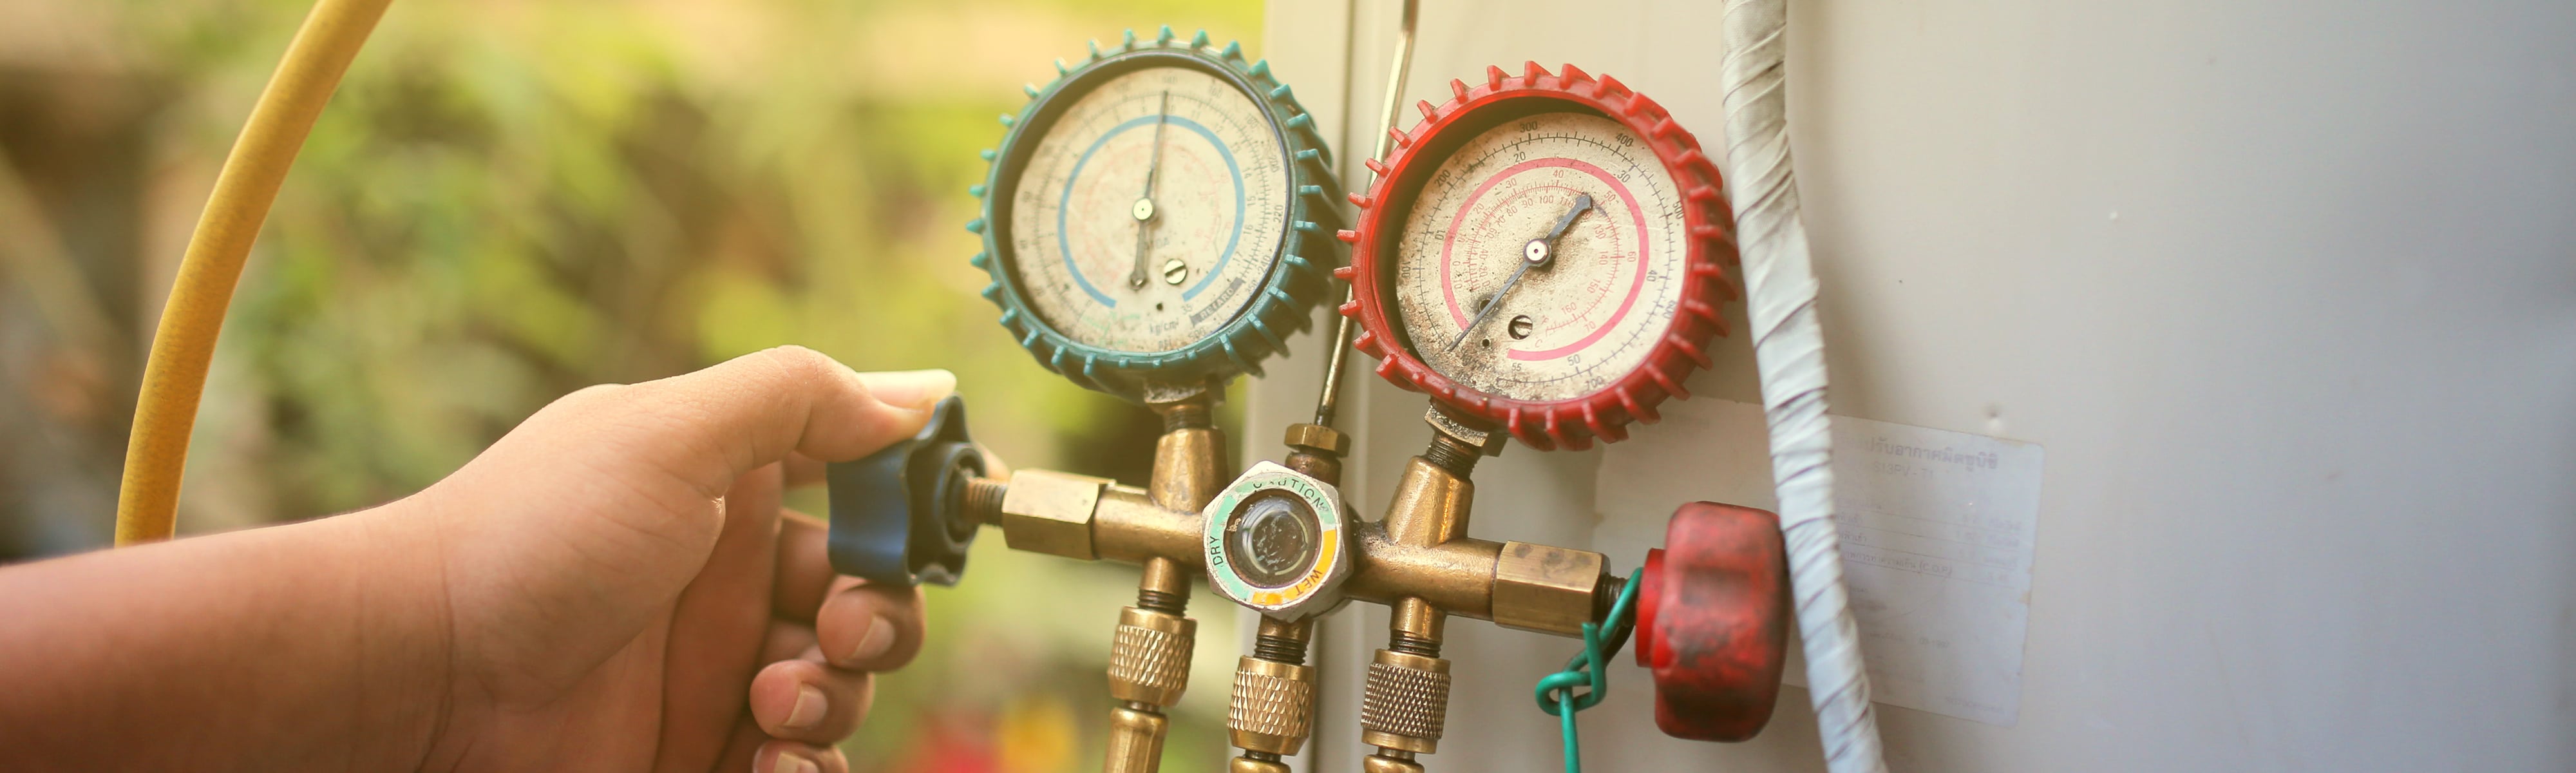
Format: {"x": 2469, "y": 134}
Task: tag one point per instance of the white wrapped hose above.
{"x": 1789, "y": 353}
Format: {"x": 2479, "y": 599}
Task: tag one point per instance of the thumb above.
{"x": 709, "y": 427}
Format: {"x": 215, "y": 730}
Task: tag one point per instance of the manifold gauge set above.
{"x": 1544, "y": 255}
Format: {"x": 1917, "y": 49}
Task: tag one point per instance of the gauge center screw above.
{"x": 1175, "y": 271}
{"x": 1144, "y": 210}
{"x": 1533, "y": 255}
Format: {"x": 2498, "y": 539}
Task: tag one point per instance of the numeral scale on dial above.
{"x": 1585, "y": 316}
{"x": 1148, "y": 210}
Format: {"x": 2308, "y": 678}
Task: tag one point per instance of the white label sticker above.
{"x": 1937, "y": 536}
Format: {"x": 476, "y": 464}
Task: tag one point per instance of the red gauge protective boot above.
{"x": 1713, "y": 621}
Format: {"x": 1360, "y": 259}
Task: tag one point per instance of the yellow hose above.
{"x": 175, "y": 376}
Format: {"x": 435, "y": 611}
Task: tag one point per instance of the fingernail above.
{"x": 874, "y": 643}
{"x": 809, "y": 709}
{"x": 913, "y": 389}
{"x": 792, "y": 763}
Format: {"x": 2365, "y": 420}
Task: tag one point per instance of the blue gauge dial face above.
{"x": 1151, "y": 210}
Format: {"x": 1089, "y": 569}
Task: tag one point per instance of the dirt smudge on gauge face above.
{"x": 1481, "y": 353}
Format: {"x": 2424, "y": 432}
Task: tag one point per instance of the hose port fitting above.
{"x": 1405, "y": 706}
{"x": 1149, "y": 656}
{"x": 1272, "y": 706}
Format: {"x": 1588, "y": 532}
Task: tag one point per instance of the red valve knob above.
{"x": 1713, "y": 621}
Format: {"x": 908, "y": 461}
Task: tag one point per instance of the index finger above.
{"x": 753, "y": 410}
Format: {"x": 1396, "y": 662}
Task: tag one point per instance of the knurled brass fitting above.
{"x": 1273, "y": 705}
{"x": 1149, "y": 656}
{"x": 1406, "y": 703}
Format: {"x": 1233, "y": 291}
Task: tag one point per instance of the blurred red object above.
{"x": 1713, "y": 621}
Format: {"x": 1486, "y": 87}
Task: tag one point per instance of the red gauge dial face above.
{"x": 1543, "y": 260}
{"x": 1546, "y": 253}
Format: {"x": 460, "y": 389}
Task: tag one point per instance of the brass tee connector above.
{"x": 1149, "y": 651}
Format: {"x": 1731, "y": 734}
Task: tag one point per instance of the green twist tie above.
{"x": 1557, "y": 693}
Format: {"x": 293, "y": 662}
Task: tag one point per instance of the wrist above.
{"x": 399, "y": 690}
{"x": 313, "y": 646}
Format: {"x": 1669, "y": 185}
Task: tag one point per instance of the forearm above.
{"x": 318, "y": 645}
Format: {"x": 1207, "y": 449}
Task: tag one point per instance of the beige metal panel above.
{"x": 2286, "y": 292}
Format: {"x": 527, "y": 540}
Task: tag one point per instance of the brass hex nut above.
{"x": 1546, "y": 589}
{"x": 1050, "y": 512}
{"x": 1487, "y": 440}
{"x": 1319, "y": 437}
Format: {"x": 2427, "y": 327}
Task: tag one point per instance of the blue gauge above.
{"x": 1162, "y": 213}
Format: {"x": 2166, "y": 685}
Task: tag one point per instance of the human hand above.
{"x": 623, "y": 590}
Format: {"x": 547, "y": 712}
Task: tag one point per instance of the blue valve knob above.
{"x": 899, "y": 515}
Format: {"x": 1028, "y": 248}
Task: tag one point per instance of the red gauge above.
{"x": 1545, "y": 252}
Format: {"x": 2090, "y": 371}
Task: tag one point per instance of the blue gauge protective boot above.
{"x": 1270, "y": 307}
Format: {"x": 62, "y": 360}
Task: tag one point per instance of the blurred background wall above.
{"x": 511, "y": 199}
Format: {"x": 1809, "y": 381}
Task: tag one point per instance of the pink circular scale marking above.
{"x": 1636, "y": 288}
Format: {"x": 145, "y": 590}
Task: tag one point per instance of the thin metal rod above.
{"x": 1329, "y": 401}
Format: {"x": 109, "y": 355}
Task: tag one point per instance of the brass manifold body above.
{"x": 1417, "y": 560}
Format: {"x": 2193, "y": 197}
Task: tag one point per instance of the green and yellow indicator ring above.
{"x": 1275, "y": 541}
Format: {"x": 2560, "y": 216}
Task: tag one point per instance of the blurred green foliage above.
{"x": 510, "y": 199}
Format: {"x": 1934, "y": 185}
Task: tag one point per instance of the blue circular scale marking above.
{"x": 1064, "y": 243}
{"x": 1281, "y": 304}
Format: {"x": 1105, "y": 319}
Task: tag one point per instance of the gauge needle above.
{"x": 1144, "y": 209}
{"x": 1534, "y": 254}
